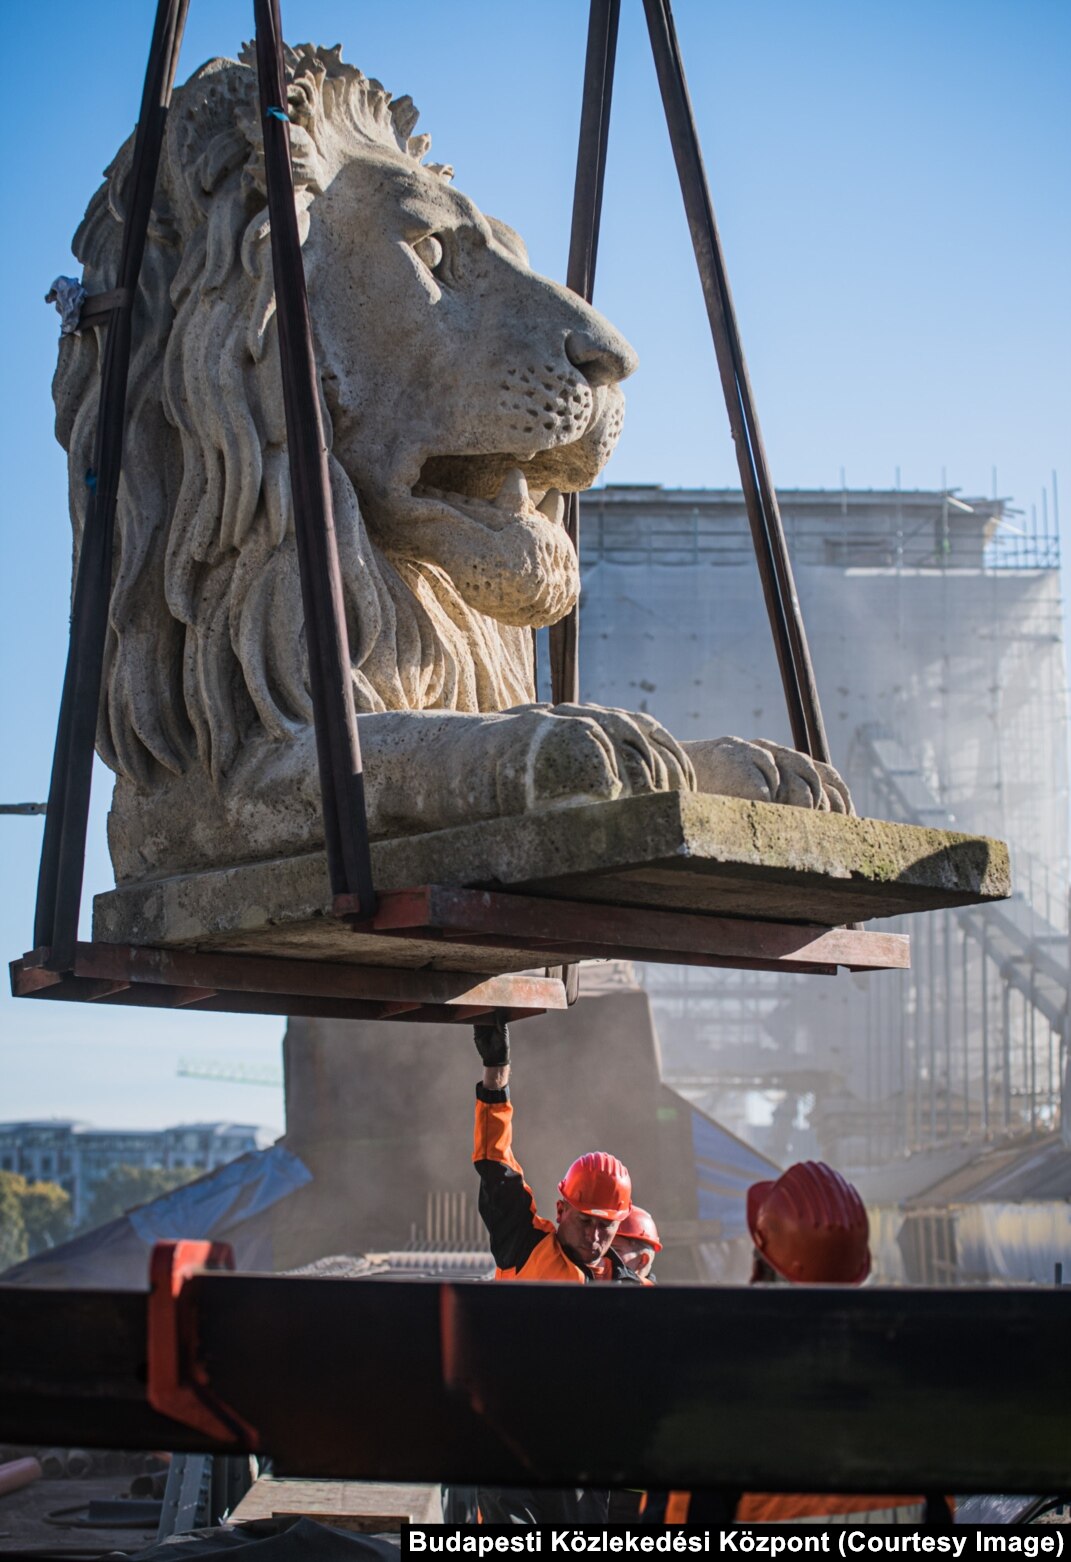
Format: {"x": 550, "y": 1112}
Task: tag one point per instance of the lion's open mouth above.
{"x": 492, "y": 522}
{"x": 566, "y": 468}
{"x": 508, "y": 554}
{"x": 487, "y": 489}
{"x": 491, "y": 486}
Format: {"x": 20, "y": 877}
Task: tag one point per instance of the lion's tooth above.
{"x": 552, "y": 505}
{"x": 513, "y": 494}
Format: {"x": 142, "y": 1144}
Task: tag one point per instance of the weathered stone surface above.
{"x": 676, "y": 850}
{"x": 462, "y": 396}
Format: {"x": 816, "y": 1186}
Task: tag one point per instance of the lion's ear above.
{"x": 509, "y": 239}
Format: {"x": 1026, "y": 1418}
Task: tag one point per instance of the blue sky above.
{"x": 891, "y": 182}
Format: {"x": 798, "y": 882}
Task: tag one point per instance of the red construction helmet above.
{"x": 598, "y": 1184}
{"x": 810, "y": 1226}
{"x": 640, "y": 1226}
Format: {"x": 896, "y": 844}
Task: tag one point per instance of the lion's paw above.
{"x": 766, "y": 772}
{"x": 586, "y": 753}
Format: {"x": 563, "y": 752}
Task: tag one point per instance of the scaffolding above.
{"x": 940, "y": 614}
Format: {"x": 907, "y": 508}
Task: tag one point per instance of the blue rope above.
{"x": 277, "y": 113}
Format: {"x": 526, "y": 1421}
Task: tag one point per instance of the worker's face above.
{"x": 586, "y": 1238}
{"x": 636, "y": 1256}
{"x": 763, "y": 1273}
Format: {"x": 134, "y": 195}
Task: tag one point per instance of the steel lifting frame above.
{"x": 81, "y": 970}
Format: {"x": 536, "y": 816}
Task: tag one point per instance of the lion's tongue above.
{"x": 513, "y": 501}
{"x": 508, "y": 557}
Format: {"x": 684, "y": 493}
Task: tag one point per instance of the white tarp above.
{"x": 1016, "y": 1243}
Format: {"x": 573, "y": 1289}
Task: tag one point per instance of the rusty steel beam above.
{"x": 258, "y": 984}
{"x": 579, "y": 929}
{"x": 763, "y": 1388}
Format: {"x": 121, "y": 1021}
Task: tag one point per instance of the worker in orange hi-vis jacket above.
{"x": 810, "y": 1227}
{"x": 596, "y": 1192}
{"x": 637, "y": 1243}
{"x": 595, "y": 1196}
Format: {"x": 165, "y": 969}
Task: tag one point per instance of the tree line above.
{"x": 39, "y": 1215}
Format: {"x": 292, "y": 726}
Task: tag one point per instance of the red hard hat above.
{"x": 598, "y": 1184}
{"x": 640, "y": 1226}
{"x": 810, "y": 1226}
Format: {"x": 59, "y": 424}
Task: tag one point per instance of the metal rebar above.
{"x": 771, "y": 550}
{"x": 1005, "y": 1015}
{"x": 966, "y": 1015}
{"x": 916, "y": 1053}
{"x": 946, "y": 951}
{"x": 985, "y": 1030}
{"x": 1031, "y": 1031}
{"x": 330, "y": 673}
{"x": 59, "y": 884}
{"x": 931, "y": 1027}
{"x": 903, "y": 983}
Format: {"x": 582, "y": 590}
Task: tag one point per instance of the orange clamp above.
{"x": 179, "y": 1384}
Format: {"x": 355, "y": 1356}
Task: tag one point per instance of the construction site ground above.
{"x": 47, "y": 1518}
{"x": 35, "y": 1520}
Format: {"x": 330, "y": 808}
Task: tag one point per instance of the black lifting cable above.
{"x": 580, "y": 278}
{"x": 771, "y": 550}
{"x": 59, "y": 884}
{"x": 330, "y": 678}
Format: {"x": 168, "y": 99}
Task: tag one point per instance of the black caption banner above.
{"x": 843, "y": 1540}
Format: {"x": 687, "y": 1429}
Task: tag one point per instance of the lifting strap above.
{"x": 338, "y": 749}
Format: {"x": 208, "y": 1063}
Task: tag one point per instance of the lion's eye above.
{"x": 429, "y": 249}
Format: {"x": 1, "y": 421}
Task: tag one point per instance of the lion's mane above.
{"x": 205, "y": 585}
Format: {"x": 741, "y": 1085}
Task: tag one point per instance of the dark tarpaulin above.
{"x": 305, "y": 1541}
{"x": 725, "y": 1167}
{"x": 230, "y": 1204}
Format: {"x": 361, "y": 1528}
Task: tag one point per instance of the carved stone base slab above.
{"x": 677, "y": 851}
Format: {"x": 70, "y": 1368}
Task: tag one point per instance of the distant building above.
{"x": 78, "y": 1156}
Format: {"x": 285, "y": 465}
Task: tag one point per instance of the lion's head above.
{"x": 461, "y": 394}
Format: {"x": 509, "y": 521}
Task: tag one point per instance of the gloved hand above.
{"x": 492, "y": 1042}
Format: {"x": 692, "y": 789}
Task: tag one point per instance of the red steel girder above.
{"x": 581, "y": 929}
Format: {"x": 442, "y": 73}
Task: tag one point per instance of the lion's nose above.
{"x": 603, "y": 359}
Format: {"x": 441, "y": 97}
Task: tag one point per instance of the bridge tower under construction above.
{"x": 935, "y": 625}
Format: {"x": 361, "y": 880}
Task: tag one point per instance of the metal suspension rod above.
{"x": 337, "y": 744}
{"x": 580, "y": 277}
{"x": 59, "y": 885}
{"x": 775, "y": 569}
{"x": 599, "y": 60}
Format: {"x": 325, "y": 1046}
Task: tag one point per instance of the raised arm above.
{"x": 507, "y": 1204}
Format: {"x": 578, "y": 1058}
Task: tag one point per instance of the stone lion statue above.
{"x": 462, "y": 395}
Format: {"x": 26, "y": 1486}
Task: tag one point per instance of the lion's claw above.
{"x": 769, "y": 773}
